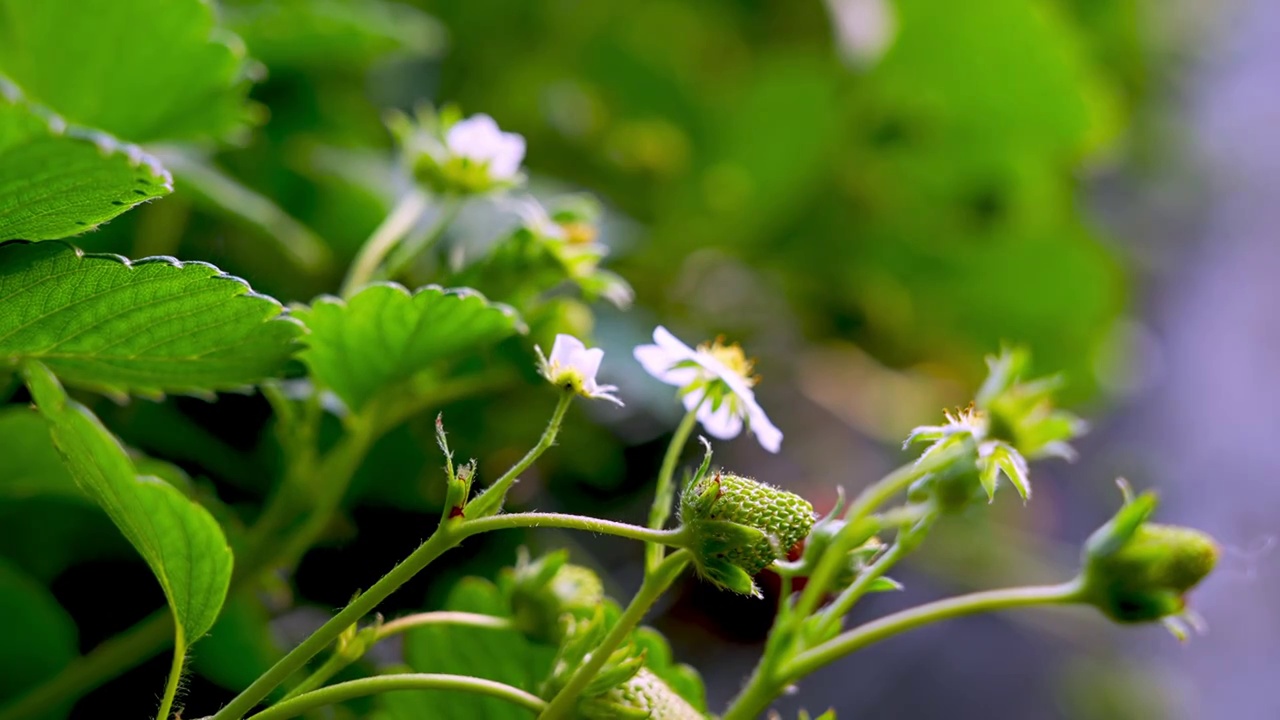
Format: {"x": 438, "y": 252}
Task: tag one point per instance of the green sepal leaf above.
{"x": 383, "y": 336}
{"x": 725, "y": 535}
{"x": 39, "y": 637}
{"x": 884, "y": 584}
{"x": 147, "y": 327}
{"x": 730, "y": 577}
{"x": 180, "y": 541}
{"x": 57, "y": 181}
{"x": 143, "y": 70}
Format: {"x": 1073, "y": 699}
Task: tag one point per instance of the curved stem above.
{"x": 674, "y": 537}
{"x": 175, "y": 674}
{"x": 664, "y": 493}
{"x": 490, "y": 501}
{"x": 339, "y": 659}
{"x": 650, "y": 590}
{"x": 845, "y": 601}
{"x": 411, "y": 249}
{"x": 888, "y": 626}
{"x": 391, "y": 683}
{"x": 398, "y": 222}
{"x": 104, "y": 662}
{"x": 443, "y": 539}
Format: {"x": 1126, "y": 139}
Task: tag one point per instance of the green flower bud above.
{"x": 644, "y": 695}
{"x": 1135, "y": 571}
{"x": 739, "y": 526}
{"x": 543, "y": 591}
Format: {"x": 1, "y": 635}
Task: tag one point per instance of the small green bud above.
{"x": 543, "y": 591}
{"x": 1135, "y": 571}
{"x": 740, "y": 526}
{"x": 644, "y": 695}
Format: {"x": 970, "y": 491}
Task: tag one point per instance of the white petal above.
{"x": 587, "y": 362}
{"x": 475, "y": 137}
{"x": 659, "y": 363}
{"x": 564, "y": 349}
{"x": 722, "y": 423}
{"x": 672, "y": 344}
{"x": 766, "y": 432}
{"x": 508, "y": 154}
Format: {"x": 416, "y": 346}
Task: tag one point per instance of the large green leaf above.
{"x": 143, "y": 70}
{"x": 179, "y": 540}
{"x": 383, "y": 335}
{"x": 39, "y": 636}
{"x": 148, "y": 327}
{"x": 57, "y": 181}
{"x": 502, "y": 655}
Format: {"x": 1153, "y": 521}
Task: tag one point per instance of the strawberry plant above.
{"x": 469, "y": 287}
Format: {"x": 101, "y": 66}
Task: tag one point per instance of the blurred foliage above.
{"x": 762, "y": 174}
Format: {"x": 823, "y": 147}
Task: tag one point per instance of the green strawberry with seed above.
{"x": 644, "y": 695}
{"x": 739, "y": 526}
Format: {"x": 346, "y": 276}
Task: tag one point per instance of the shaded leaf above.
{"x": 383, "y": 336}
{"x": 239, "y": 646}
{"x": 502, "y": 655}
{"x": 32, "y": 466}
{"x": 143, "y": 70}
{"x": 148, "y": 327}
{"x": 57, "y": 181}
{"x": 179, "y": 540}
{"x": 39, "y": 637}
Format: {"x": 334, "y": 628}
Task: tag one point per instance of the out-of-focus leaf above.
{"x": 71, "y": 531}
{"x": 57, "y": 181}
{"x": 179, "y": 540}
{"x": 39, "y": 637}
{"x": 32, "y": 466}
{"x": 383, "y": 335}
{"x": 227, "y": 195}
{"x": 502, "y": 655}
{"x": 149, "y": 327}
{"x": 143, "y": 70}
{"x": 338, "y": 34}
{"x": 239, "y": 646}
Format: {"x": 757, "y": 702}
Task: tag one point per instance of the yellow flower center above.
{"x": 579, "y": 233}
{"x": 732, "y": 357}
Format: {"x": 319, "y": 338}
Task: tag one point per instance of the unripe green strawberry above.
{"x": 645, "y": 695}
{"x": 739, "y": 526}
{"x": 1148, "y": 576}
{"x": 543, "y": 591}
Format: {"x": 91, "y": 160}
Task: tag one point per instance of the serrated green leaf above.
{"x": 148, "y": 327}
{"x": 178, "y": 539}
{"x": 143, "y": 70}
{"x": 57, "y": 181}
{"x": 383, "y": 335}
{"x": 32, "y": 466}
{"x": 502, "y": 655}
{"x": 39, "y": 637}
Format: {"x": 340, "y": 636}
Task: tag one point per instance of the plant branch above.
{"x": 664, "y": 493}
{"x": 650, "y": 590}
{"x": 175, "y": 674}
{"x": 674, "y": 537}
{"x": 490, "y": 501}
{"x": 391, "y": 683}
{"x": 406, "y": 213}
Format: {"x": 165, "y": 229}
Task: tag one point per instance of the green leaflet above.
{"x": 39, "y": 636}
{"x": 383, "y": 336}
{"x": 148, "y": 327}
{"x": 57, "y": 181}
{"x": 178, "y": 539}
{"x": 144, "y": 70}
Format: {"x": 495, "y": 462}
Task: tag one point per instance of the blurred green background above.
{"x": 870, "y": 195}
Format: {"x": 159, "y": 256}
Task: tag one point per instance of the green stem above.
{"x": 675, "y": 537}
{"x": 442, "y": 540}
{"x": 664, "y": 494}
{"x": 490, "y": 501}
{"x": 852, "y": 594}
{"x": 400, "y": 262}
{"x": 339, "y": 659}
{"x": 397, "y": 224}
{"x": 886, "y": 627}
{"x": 104, "y": 662}
{"x": 650, "y": 590}
{"x": 175, "y": 675}
{"x": 391, "y": 683}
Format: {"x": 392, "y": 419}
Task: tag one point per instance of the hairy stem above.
{"x": 391, "y": 683}
{"x": 674, "y": 538}
{"x": 490, "y": 501}
{"x": 664, "y": 494}
{"x": 397, "y": 224}
{"x": 175, "y": 674}
{"x": 651, "y": 589}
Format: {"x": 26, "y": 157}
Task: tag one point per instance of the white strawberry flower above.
{"x": 480, "y": 140}
{"x": 572, "y": 365}
{"x": 715, "y": 379}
